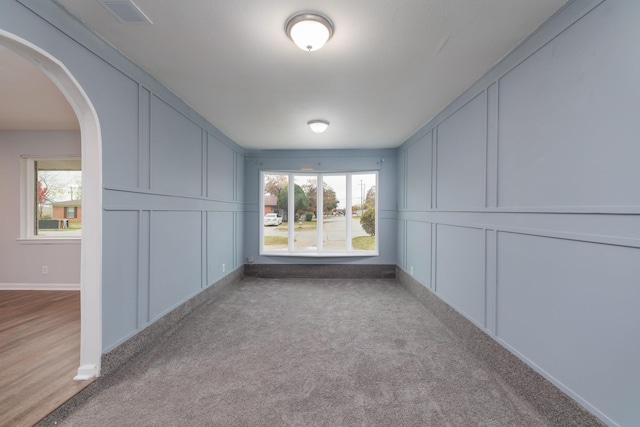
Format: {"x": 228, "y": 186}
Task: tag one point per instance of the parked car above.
{"x": 272, "y": 219}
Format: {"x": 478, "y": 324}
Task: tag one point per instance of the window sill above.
{"x": 49, "y": 240}
{"x": 322, "y": 254}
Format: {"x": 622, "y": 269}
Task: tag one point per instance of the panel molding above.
{"x": 622, "y": 230}
{"x": 593, "y": 237}
{"x": 612, "y": 210}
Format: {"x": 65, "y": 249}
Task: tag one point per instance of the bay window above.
{"x": 340, "y": 220}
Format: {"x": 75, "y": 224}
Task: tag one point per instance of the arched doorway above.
{"x": 91, "y": 250}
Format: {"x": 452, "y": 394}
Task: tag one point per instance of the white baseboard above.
{"x": 39, "y": 286}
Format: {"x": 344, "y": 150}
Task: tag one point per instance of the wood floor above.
{"x": 39, "y": 353}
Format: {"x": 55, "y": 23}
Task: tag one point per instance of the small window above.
{"x": 52, "y": 201}
{"x": 300, "y": 220}
{"x": 70, "y": 212}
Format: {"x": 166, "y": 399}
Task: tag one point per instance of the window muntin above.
{"x": 324, "y": 223}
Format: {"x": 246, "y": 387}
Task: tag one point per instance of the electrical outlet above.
{"x": 223, "y": 268}
{"x": 411, "y": 270}
{"x": 45, "y": 269}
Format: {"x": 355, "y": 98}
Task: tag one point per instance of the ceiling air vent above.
{"x": 125, "y": 11}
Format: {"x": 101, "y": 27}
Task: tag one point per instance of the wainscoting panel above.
{"x": 460, "y": 265}
{"x": 240, "y": 178}
{"x": 121, "y": 131}
{"x": 238, "y": 248}
{"x": 175, "y": 259}
{"x": 419, "y": 179}
{"x": 144, "y": 147}
{"x": 176, "y": 145}
{"x": 419, "y": 259}
{"x": 402, "y": 179}
{"x": 568, "y": 123}
{"x": 221, "y": 170}
{"x": 461, "y": 154}
{"x": 220, "y": 245}
{"x": 402, "y": 243}
{"x": 571, "y": 308}
{"x": 120, "y": 274}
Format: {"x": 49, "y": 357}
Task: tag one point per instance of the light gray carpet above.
{"x": 300, "y": 352}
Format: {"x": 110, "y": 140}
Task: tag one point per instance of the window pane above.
{"x": 334, "y": 230}
{"x": 58, "y": 198}
{"x": 275, "y": 211}
{"x": 305, "y": 232}
{"x": 363, "y": 205}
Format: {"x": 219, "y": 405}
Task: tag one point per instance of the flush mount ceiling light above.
{"x": 309, "y": 31}
{"x": 318, "y": 126}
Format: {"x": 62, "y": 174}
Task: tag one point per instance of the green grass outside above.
{"x": 305, "y": 225}
{"x": 275, "y": 240}
{"x": 364, "y": 243}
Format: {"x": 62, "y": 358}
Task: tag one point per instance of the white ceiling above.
{"x": 28, "y": 98}
{"x": 389, "y": 68}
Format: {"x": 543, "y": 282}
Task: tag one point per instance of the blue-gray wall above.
{"x": 519, "y": 205}
{"x": 173, "y": 184}
{"x": 383, "y": 161}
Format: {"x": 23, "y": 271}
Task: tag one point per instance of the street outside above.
{"x": 305, "y": 237}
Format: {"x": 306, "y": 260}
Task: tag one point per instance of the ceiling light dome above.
{"x": 309, "y": 31}
{"x": 318, "y": 126}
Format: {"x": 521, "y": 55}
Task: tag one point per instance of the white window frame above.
{"x": 28, "y": 206}
{"x": 319, "y": 251}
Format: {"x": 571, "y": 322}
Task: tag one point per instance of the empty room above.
{"x": 167, "y": 257}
